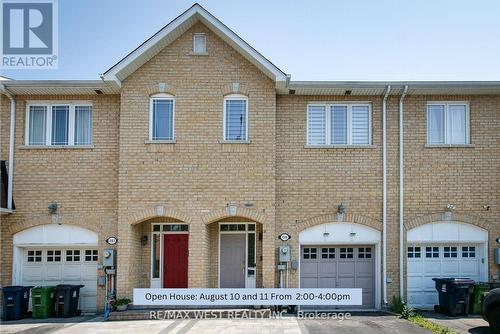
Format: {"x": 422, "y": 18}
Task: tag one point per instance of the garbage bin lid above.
{"x": 16, "y": 288}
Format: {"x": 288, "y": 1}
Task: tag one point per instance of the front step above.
{"x": 171, "y": 314}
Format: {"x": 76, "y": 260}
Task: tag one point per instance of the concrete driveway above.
{"x": 362, "y": 323}
{"x": 472, "y": 324}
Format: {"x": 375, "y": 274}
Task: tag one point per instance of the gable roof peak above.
{"x": 169, "y": 33}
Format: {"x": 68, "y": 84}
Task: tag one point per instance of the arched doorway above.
{"x": 443, "y": 249}
{"x": 235, "y": 253}
{"x": 58, "y": 254}
{"x": 168, "y": 252}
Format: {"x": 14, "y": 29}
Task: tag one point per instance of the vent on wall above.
{"x": 291, "y": 91}
{"x": 348, "y": 92}
{"x": 98, "y": 91}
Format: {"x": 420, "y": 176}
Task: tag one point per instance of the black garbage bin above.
{"x": 66, "y": 299}
{"x": 15, "y": 302}
{"x": 454, "y": 295}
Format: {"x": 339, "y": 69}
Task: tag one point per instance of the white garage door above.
{"x": 438, "y": 260}
{"x": 46, "y": 266}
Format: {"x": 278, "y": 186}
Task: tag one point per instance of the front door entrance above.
{"x": 232, "y": 260}
{"x": 175, "y": 260}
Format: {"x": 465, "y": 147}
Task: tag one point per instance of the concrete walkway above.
{"x": 363, "y": 323}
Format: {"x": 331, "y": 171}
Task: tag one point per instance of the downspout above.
{"x": 401, "y": 194}
{"x": 11, "y": 145}
{"x": 384, "y": 192}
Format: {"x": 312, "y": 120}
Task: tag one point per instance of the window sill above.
{"x": 234, "y": 141}
{"x": 198, "y": 53}
{"x": 160, "y": 142}
{"x": 341, "y": 146}
{"x": 449, "y": 146}
{"x": 56, "y": 147}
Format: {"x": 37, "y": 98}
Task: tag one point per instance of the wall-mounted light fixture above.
{"x": 341, "y": 208}
{"x": 450, "y": 207}
{"x": 144, "y": 240}
{"x": 52, "y": 207}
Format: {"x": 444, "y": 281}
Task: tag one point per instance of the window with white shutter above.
{"x": 336, "y": 124}
{"x": 447, "y": 123}
{"x": 161, "y": 118}
{"x": 235, "y": 118}
{"x": 316, "y": 125}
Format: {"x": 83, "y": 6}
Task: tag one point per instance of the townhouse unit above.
{"x": 196, "y": 153}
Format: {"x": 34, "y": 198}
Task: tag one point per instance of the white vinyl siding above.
{"x": 58, "y": 124}
{"x": 162, "y": 118}
{"x": 199, "y": 43}
{"x": 448, "y": 123}
{"x": 235, "y": 121}
{"x": 339, "y": 124}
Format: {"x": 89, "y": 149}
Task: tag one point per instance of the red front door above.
{"x": 175, "y": 260}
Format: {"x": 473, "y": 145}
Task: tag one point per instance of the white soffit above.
{"x": 176, "y": 28}
{"x": 397, "y": 87}
{"x": 59, "y": 87}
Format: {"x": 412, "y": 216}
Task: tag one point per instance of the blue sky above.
{"x": 311, "y": 40}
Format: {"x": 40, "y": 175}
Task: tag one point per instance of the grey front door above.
{"x": 340, "y": 267}
{"x": 232, "y": 260}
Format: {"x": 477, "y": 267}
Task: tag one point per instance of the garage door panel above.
{"x": 328, "y": 269}
{"x": 366, "y": 283}
{"x": 309, "y": 269}
{"x": 415, "y": 267}
{"x": 327, "y": 282}
{"x": 72, "y": 268}
{"x": 308, "y": 282}
{"x": 346, "y": 269}
{"x": 52, "y": 272}
{"x": 340, "y": 267}
{"x": 364, "y": 268}
{"x": 449, "y": 261}
{"x": 451, "y": 268}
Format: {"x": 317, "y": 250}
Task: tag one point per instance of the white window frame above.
{"x": 446, "y": 105}
{"x": 48, "y": 122}
{"x": 228, "y": 98}
{"x": 194, "y": 43}
{"x": 167, "y": 97}
{"x": 328, "y": 115}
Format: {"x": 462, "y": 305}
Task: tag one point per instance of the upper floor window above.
{"x": 161, "y": 118}
{"x": 339, "y": 124}
{"x": 447, "y": 123}
{"x": 58, "y": 124}
{"x": 235, "y": 118}
{"x": 199, "y": 43}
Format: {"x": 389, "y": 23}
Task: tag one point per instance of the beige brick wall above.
{"x": 116, "y": 187}
{"x": 310, "y": 183}
{"x": 197, "y": 175}
{"x": 83, "y": 182}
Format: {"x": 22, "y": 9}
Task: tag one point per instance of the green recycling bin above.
{"x": 477, "y": 297}
{"x": 43, "y": 300}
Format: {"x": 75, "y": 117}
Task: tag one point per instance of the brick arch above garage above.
{"x": 454, "y": 217}
{"x": 160, "y": 211}
{"x": 223, "y": 213}
{"x": 89, "y": 222}
{"x": 332, "y": 218}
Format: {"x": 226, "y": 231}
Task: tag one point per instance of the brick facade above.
{"x": 124, "y": 183}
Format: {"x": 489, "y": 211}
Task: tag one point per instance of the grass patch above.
{"x": 424, "y": 323}
{"x": 408, "y": 313}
